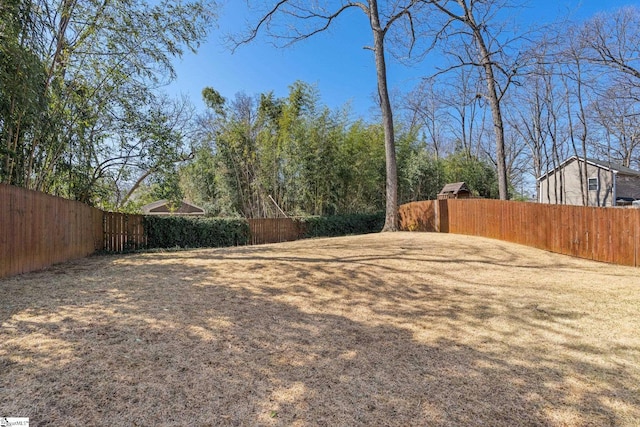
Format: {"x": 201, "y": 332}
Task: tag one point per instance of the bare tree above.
{"x": 619, "y": 116}
{"x": 528, "y": 123}
{"x": 465, "y": 109}
{"x": 469, "y": 21}
{"x": 577, "y": 80}
{"x": 427, "y": 110}
{"x": 291, "y": 21}
{"x": 533, "y": 114}
{"x": 612, "y": 41}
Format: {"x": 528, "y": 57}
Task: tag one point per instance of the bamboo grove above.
{"x": 264, "y": 156}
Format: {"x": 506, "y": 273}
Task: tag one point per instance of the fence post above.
{"x": 105, "y": 237}
{"x": 442, "y": 216}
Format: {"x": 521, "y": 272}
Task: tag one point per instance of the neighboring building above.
{"x": 457, "y": 190}
{"x": 605, "y": 183}
{"x": 163, "y": 207}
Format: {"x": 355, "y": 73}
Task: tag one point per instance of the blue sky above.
{"x": 334, "y": 61}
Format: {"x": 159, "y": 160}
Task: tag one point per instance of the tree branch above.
{"x": 306, "y": 14}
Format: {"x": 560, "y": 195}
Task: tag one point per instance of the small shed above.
{"x": 456, "y": 190}
{"x": 163, "y": 207}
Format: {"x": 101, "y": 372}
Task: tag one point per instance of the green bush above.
{"x": 195, "y": 232}
{"x": 342, "y": 225}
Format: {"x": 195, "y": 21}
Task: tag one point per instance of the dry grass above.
{"x": 389, "y": 329}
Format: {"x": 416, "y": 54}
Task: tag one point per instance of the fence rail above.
{"x": 601, "y": 234}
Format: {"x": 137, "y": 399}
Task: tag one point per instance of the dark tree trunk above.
{"x": 391, "y": 217}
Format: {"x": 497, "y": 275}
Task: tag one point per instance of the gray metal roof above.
{"x": 615, "y": 167}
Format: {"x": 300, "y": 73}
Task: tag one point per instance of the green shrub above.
{"x": 342, "y": 225}
{"x": 195, "y": 232}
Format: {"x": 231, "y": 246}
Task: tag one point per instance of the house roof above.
{"x": 455, "y": 188}
{"x": 616, "y": 167}
{"x": 161, "y": 207}
{"x": 611, "y": 166}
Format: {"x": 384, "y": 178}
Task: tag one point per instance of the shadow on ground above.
{"x": 399, "y": 332}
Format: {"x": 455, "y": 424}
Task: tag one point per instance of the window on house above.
{"x": 593, "y": 184}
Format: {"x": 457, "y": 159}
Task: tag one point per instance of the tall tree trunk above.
{"x": 391, "y": 217}
{"x": 496, "y": 113}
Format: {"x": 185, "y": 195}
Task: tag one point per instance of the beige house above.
{"x": 605, "y": 183}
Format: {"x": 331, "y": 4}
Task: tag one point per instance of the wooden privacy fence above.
{"x": 601, "y": 234}
{"x": 123, "y": 232}
{"x": 274, "y": 230}
{"x": 420, "y": 216}
{"x": 38, "y": 230}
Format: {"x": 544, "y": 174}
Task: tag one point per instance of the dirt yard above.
{"x": 403, "y": 329}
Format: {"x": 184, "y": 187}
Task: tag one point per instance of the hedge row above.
{"x": 342, "y": 225}
{"x": 190, "y": 232}
{"x": 196, "y": 232}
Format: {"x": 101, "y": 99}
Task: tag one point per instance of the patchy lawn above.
{"x": 389, "y": 329}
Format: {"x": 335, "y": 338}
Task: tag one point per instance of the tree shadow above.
{"x": 266, "y": 337}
